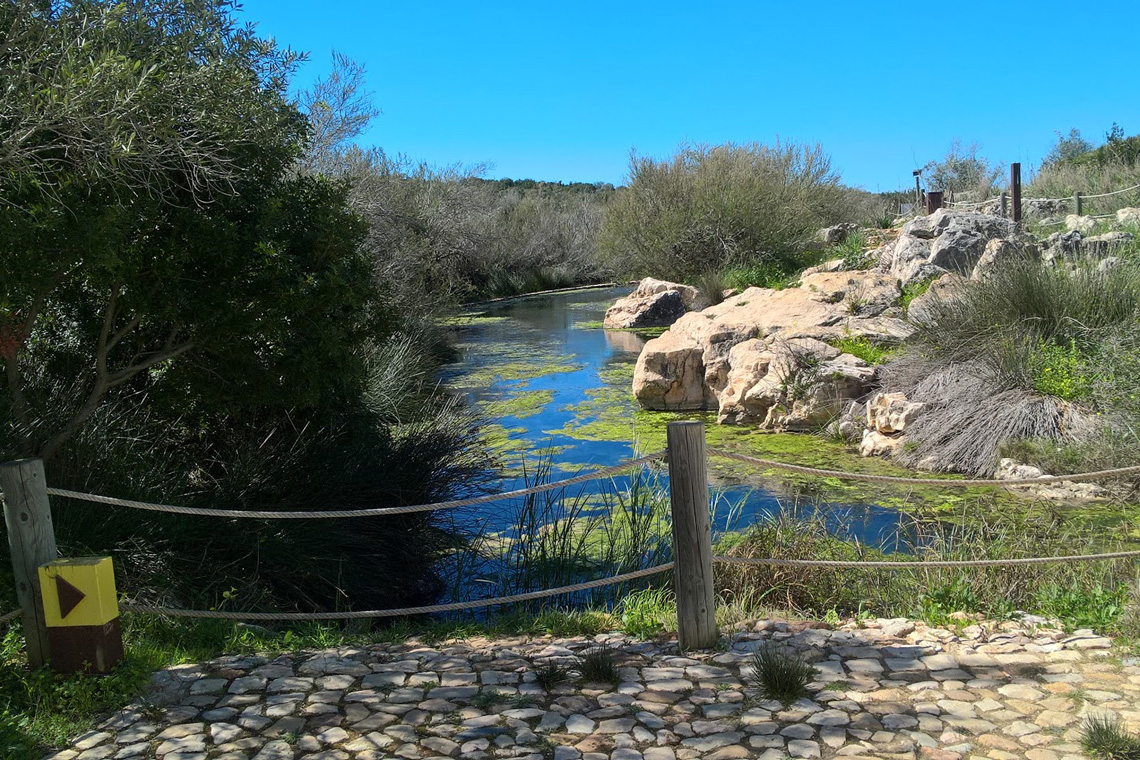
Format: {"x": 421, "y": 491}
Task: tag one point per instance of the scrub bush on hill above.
{"x": 723, "y": 207}
{"x": 1075, "y": 166}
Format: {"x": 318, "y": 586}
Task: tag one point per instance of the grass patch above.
{"x": 1105, "y": 737}
{"x": 648, "y": 613}
{"x": 865, "y": 349}
{"x": 913, "y": 290}
{"x": 551, "y": 675}
{"x": 780, "y": 674}
{"x": 598, "y": 665}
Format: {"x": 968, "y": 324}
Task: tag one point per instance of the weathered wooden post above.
{"x": 692, "y": 535}
{"x": 1015, "y": 189}
{"x": 31, "y": 539}
{"x": 1004, "y": 204}
{"x": 1077, "y": 203}
{"x": 933, "y": 201}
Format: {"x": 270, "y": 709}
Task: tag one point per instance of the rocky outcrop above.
{"x": 945, "y": 241}
{"x": 763, "y": 356}
{"x": 655, "y": 303}
{"x": 837, "y": 234}
{"x": 1074, "y": 244}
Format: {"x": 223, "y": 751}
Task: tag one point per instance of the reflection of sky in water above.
{"x": 546, "y": 329}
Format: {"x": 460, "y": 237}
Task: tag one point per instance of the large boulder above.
{"x": 837, "y": 234}
{"x": 746, "y": 357}
{"x": 945, "y": 241}
{"x": 1082, "y": 224}
{"x": 655, "y": 303}
{"x": 1001, "y": 252}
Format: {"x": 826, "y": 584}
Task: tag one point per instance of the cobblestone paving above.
{"x": 886, "y": 689}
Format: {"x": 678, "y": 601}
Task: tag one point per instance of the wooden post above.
{"x": 1015, "y": 189}
{"x": 1077, "y": 203}
{"x": 31, "y": 539}
{"x": 1004, "y": 204}
{"x": 917, "y": 188}
{"x": 692, "y": 535}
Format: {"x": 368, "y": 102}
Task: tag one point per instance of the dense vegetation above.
{"x": 728, "y": 207}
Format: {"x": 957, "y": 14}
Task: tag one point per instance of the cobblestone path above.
{"x": 885, "y": 689}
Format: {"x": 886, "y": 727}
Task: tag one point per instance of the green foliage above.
{"x": 962, "y": 170}
{"x": 598, "y": 665}
{"x": 780, "y": 674}
{"x": 1079, "y": 595}
{"x": 1067, "y": 148}
{"x": 913, "y": 290}
{"x": 551, "y": 675}
{"x": 645, "y": 613}
{"x": 1098, "y": 607}
{"x": 720, "y": 207}
{"x": 774, "y": 274}
{"x": 1105, "y": 737}
{"x": 1059, "y": 371}
{"x": 864, "y": 348}
{"x": 852, "y": 250}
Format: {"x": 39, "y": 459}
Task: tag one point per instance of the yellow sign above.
{"x": 79, "y": 592}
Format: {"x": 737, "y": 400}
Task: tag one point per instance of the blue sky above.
{"x": 564, "y": 90}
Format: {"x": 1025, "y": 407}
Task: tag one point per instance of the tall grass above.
{"x": 1035, "y": 351}
{"x": 1080, "y": 594}
{"x": 558, "y": 538}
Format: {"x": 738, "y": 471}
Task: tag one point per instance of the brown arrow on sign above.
{"x": 69, "y": 596}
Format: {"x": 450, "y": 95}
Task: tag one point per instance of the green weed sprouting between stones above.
{"x": 780, "y": 674}
{"x": 551, "y": 675}
{"x": 864, "y": 348}
{"x": 598, "y": 665}
{"x": 648, "y": 613}
{"x": 1106, "y": 738}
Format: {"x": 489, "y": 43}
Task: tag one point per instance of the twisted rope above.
{"x": 399, "y": 611}
{"x": 1119, "y": 471}
{"x": 372, "y": 512}
{"x": 907, "y": 565}
{"x": 11, "y": 615}
{"x": 1114, "y": 192}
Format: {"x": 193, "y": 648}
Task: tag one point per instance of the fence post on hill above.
{"x": 692, "y": 535}
{"x": 1004, "y": 204}
{"x": 31, "y": 539}
{"x": 1015, "y": 189}
{"x": 1077, "y": 204}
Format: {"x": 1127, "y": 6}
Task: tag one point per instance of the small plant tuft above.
{"x": 1105, "y": 737}
{"x": 780, "y": 674}
{"x": 598, "y": 666}
{"x": 485, "y": 700}
{"x": 551, "y": 675}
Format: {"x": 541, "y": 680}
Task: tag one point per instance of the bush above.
{"x": 1075, "y": 166}
{"x": 1106, "y": 738}
{"x": 962, "y": 170}
{"x": 719, "y": 208}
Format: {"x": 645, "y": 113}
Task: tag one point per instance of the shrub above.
{"x": 962, "y": 170}
{"x": 720, "y": 207}
{"x": 711, "y": 286}
{"x": 780, "y": 674}
{"x": 1057, "y": 371}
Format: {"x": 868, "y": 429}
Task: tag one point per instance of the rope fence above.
{"x": 605, "y": 472}
{"x": 692, "y": 540}
{"x": 398, "y": 611}
{"x": 921, "y": 564}
{"x": 1067, "y": 199}
{"x": 953, "y": 483}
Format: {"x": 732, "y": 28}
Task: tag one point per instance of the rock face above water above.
{"x": 655, "y": 303}
{"x": 764, "y": 355}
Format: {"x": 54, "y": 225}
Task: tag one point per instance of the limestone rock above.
{"x": 891, "y": 413}
{"x": 1001, "y": 252}
{"x": 837, "y": 234}
{"x": 1082, "y": 224}
{"x": 737, "y": 357}
{"x": 1128, "y": 215}
{"x": 875, "y": 444}
{"x": 1099, "y": 246}
{"x": 945, "y": 241}
{"x": 655, "y": 303}
{"x": 924, "y": 309}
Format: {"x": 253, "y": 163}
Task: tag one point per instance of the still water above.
{"x": 556, "y": 388}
